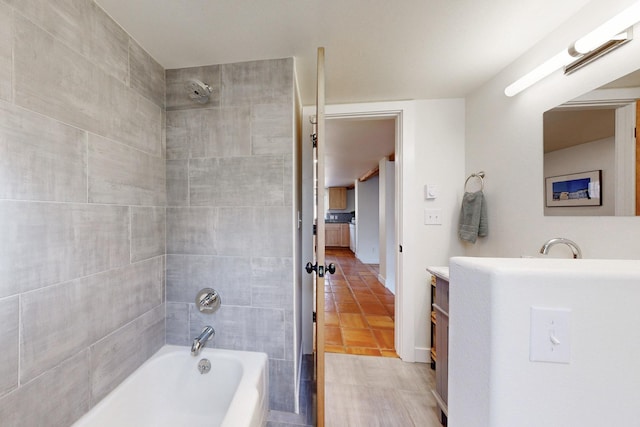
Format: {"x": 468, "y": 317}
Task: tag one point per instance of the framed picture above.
{"x": 576, "y": 189}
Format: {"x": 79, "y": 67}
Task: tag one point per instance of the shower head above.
{"x": 198, "y": 91}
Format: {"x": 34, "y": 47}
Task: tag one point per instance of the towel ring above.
{"x": 479, "y": 175}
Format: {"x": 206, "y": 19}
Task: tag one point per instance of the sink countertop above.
{"x": 441, "y": 272}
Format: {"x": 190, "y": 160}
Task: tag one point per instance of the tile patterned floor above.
{"x": 359, "y": 310}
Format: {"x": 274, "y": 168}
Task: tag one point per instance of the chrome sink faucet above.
{"x": 207, "y": 333}
{"x": 556, "y": 240}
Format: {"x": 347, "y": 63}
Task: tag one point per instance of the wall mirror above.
{"x": 592, "y": 152}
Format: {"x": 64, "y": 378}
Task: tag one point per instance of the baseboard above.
{"x": 422, "y": 355}
{"x": 381, "y": 280}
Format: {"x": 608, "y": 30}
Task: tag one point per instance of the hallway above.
{"x": 359, "y": 310}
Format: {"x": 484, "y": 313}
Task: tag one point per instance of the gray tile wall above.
{"x": 229, "y": 215}
{"x": 82, "y": 209}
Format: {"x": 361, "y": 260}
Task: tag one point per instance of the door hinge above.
{"x": 314, "y": 317}
{"x": 314, "y": 139}
{"x": 400, "y": 248}
{"x": 315, "y": 229}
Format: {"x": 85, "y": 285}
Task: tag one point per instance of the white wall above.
{"x": 492, "y": 382}
{"x": 367, "y": 221}
{"x": 595, "y": 155}
{"x": 432, "y": 139}
{"x": 504, "y": 138}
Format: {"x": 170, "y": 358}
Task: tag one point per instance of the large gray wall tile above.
{"x": 178, "y": 324}
{"x": 47, "y": 243}
{"x": 273, "y": 231}
{"x": 178, "y": 182}
{"x": 236, "y": 231}
{"x": 8, "y": 344}
{"x": 281, "y": 385}
{"x": 6, "y": 51}
{"x": 244, "y": 328}
{"x": 119, "y": 354}
{"x": 123, "y": 175}
{"x": 178, "y": 95}
{"x": 52, "y": 79}
{"x": 148, "y": 232}
{"x": 147, "y": 76}
{"x": 272, "y": 129}
{"x": 85, "y": 28}
{"x": 271, "y": 280}
{"x": 60, "y": 320}
{"x": 257, "y": 82}
{"x": 191, "y": 231}
{"x": 212, "y": 132}
{"x": 40, "y": 158}
{"x": 230, "y": 276}
{"x": 238, "y": 181}
{"x": 57, "y": 398}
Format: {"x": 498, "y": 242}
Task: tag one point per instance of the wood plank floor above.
{"x": 359, "y": 310}
{"x": 379, "y": 392}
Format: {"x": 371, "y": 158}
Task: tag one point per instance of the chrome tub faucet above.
{"x": 556, "y": 240}
{"x": 207, "y": 333}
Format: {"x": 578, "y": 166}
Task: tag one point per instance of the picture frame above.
{"x": 576, "y": 189}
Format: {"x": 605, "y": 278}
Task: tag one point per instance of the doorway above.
{"x": 404, "y": 309}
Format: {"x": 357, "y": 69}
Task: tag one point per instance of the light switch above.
{"x": 430, "y": 191}
{"x": 550, "y": 335}
{"x": 433, "y": 216}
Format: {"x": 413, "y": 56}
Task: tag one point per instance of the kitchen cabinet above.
{"x": 440, "y": 323}
{"x": 337, "y": 198}
{"x": 336, "y": 234}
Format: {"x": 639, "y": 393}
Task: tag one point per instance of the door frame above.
{"x": 403, "y": 113}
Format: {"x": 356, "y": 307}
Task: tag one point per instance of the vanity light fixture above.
{"x": 607, "y": 37}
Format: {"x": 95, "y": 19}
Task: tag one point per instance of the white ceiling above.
{"x": 376, "y": 50}
{"x": 354, "y": 147}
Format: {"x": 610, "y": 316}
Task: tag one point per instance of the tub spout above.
{"x": 572, "y": 245}
{"x": 207, "y": 333}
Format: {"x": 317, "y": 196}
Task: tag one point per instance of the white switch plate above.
{"x": 433, "y": 216}
{"x": 550, "y": 335}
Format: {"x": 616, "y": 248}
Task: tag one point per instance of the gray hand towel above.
{"x": 473, "y": 217}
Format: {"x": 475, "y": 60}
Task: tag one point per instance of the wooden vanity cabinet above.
{"x": 440, "y": 307}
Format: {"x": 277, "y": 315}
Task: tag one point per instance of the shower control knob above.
{"x": 208, "y": 300}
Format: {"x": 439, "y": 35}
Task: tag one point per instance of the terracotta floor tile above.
{"x": 352, "y": 320}
{"x": 330, "y": 348}
{"x": 331, "y": 318}
{"x": 380, "y": 322}
{"x": 344, "y": 298}
{"x": 360, "y": 306}
{"x": 332, "y": 335}
{"x": 387, "y": 299}
{"x": 358, "y": 338}
{"x": 331, "y": 306}
{"x": 364, "y": 351}
{"x": 347, "y": 307}
{"x": 373, "y": 308}
{"x": 385, "y": 338}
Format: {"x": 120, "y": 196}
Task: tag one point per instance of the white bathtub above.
{"x": 168, "y": 390}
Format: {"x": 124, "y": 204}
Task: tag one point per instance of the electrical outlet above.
{"x": 433, "y": 216}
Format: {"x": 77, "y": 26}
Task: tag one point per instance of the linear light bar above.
{"x": 540, "y": 72}
{"x": 609, "y": 29}
{"x": 608, "y": 46}
{"x": 607, "y": 37}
